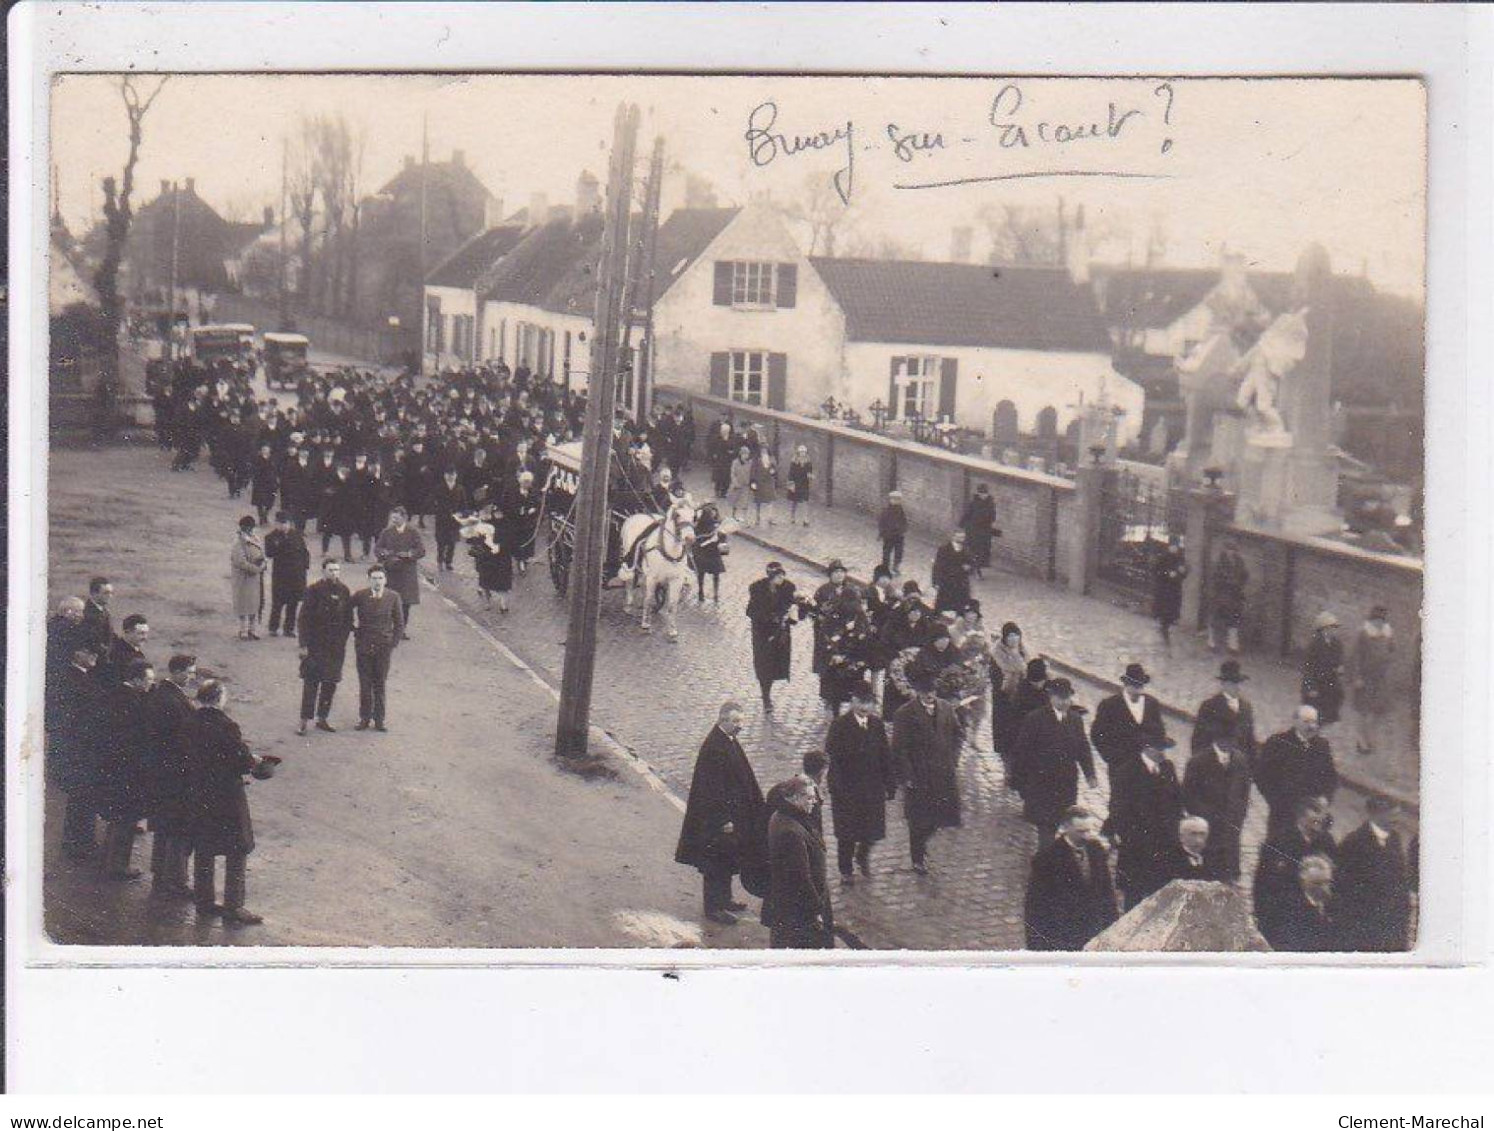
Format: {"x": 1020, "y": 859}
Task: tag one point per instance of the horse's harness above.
{"x": 671, "y": 522}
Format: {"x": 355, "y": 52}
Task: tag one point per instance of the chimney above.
{"x": 1076, "y": 249}
{"x": 539, "y": 209}
{"x": 191, "y": 186}
{"x": 459, "y": 158}
{"x": 959, "y": 244}
{"x": 588, "y": 195}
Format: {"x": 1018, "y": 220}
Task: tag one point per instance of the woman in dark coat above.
{"x": 217, "y": 759}
{"x": 521, "y": 519}
{"x": 772, "y": 610}
{"x": 797, "y": 910}
{"x": 861, "y": 781}
{"x": 926, "y": 742}
{"x": 951, "y": 574}
{"x": 709, "y": 552}
{"x": 1323, "y": 670}
{"x": 265, "y": 483}
{"x": 1168, "y": 570}
{"x": 1008, "y": 672}
{"x": 908, "y": 627}
{"x": 800, "y": 473}
{"x": 495, "y": 565}
{"x": 979, "y": 524}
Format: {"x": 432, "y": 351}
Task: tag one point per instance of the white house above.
{"x": 744, "y": 314}
{"x": 450, "y": 309}
{"x": 994, "y": 349}
{"x": 739, "y": 311}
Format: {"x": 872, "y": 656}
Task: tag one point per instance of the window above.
{"x": 915, "y": 382}
{"x": 752, "y": 284}
{"x": 748, "y": 368}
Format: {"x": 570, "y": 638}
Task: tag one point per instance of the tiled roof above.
{"x": 682, "y": 238}
{"x": 553, "y": 267}
{"x": 958, "y": 304}
{"x": 481, "y": 253}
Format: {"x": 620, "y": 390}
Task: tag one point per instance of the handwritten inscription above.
{"x": 765, "y": 146}
{"x": 1014, "y": 125}
{"x": 1017, "y": 134}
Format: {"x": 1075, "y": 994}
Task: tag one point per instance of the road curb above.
{"x": 1367, "y": 786}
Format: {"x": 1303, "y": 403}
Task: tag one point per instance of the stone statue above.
{"x": 1269, "y": 362}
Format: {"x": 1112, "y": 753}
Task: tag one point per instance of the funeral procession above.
{"x": 650, "y": 525}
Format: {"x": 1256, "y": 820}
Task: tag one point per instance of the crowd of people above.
{"x": 939, "y": 671}
{"x": 907, "y": 678}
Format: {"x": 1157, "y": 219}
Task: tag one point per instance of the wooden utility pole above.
{"x": 176, "y": 219}
{"x": 284, "y": 292}
{"x": 643, "y": 371}
{"x": 591, "y": 513}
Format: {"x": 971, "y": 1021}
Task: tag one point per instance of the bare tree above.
{"x": 819, "y": 211}
{"x": 117, "y": 219}
{"x": 301, "y": 180}
{"x": 1022, "y": 235}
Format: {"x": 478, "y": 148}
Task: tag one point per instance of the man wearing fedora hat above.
{"x": 1227, "y": 716}
{"x": 1124, "y": 719}
{"x": 926, "y": 741}
{"x": 1295, "y": 765}
{"x": 1216, "y": 787}
{"x": 1146, "y": 804}
{"x": 1050, "y": 751}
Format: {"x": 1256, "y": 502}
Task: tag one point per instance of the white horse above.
{"x": 656, "y": 553}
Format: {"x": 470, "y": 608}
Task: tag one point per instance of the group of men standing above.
{"x": 125, "y": 747}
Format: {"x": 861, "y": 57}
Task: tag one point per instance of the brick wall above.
{"x": 934, "y": 484}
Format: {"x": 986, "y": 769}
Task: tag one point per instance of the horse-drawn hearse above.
{"x": 648, "y": 542}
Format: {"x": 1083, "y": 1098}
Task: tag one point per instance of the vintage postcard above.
{"x": 734, "y": 513}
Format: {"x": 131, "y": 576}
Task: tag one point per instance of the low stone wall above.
{"x": 856, "y": 469}
{"x": 1293, "y": 579}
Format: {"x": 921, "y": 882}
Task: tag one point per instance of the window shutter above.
{"x": 720, "y": 373}
{"x": 892, "y": 406}
{"x": 948, "y": 371}
{"x": 723, "y": 284}
{"x": 788, "y": 285}
{"x": 777, "y": 380}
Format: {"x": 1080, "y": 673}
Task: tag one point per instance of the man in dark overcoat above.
{"x": 169, "y": 806}
{"x": 772, "y": 611}
{"x": 861, "y": 781}
{"x": 76, "y": 729}
{"x": 1070, "y": 895}
{"x": 217, "y": 759}
{"x": 926, "y": 739}
{"x": 1227, "y": 715}
{"x": 342, "y": 503}
{"x": 290, "y": 561}
{"x": 1374, "y": 883}
{"x": 1188, "y": 858}
{"x": 797, "y": 910}
{"x": 298, "y": 488}
{"x": 98, "y": 624}
{"x": 1310, "y": 916}
{"x": 1295, "y": 764}
{"x": 325, "y": 623}
{"x": 1276, "y": 890}
{"x": 1216, "y": 787}
{"x": 1051, "y": 751}
{"x": 124, "y": 754}
{"x": 951, "y": 574}
{"x": 1146, "y": 804}
{"x": 979, "y": 524}
{"x": 1122, "y": 721}
{"x": 725, "y": 816}
{"x": 124, "y": 650}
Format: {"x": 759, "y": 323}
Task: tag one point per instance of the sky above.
{"x": 1262, "y": 167}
